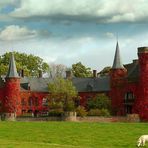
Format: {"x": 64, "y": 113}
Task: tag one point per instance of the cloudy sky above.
{"x": 69, "y": 31}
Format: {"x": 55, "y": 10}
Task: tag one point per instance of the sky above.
{"x": 71, "y": 31}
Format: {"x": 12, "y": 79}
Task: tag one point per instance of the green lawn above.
{"x": 70, "y": 134}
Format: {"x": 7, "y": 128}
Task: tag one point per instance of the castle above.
{"x": 126, "y": 85}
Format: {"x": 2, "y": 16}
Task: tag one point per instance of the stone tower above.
{"x": 143, "y": 83}
{"x": 117, "y": 82}
{"x": 12, "y": 101}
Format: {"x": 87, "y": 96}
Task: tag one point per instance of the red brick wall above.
{"x": 26, "y": 95}
{"x": 118, "y": 83}
{"x": 142, "y": 103}
{"x": 12, "y": 102}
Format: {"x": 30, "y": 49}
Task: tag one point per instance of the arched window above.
{"x": 89, "y": 87}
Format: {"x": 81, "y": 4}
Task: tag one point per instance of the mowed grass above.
{"x": 70, "y": 134}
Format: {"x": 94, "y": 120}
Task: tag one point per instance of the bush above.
{"x": 94, "y": 112}
{"x": 55, "y": 105}
{"x": 69, "y": 106}
{"x": 99, "y": 112}
{"x": 104, "y": 112}
{"x": 81, "y": 111}
{"x": 99, "y": 102}
{"x": 56, "y": 112}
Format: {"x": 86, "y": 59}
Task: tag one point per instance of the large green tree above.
{"x": 105, "y": 71}
{"x": 62, "y": 94}
{"x": 29, "y": 63}
{"x": 100, "y": 101}
{"x": 79, "y": 70}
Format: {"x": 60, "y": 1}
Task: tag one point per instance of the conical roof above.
{"x": 117, "y": 64}
{"x": 12, "y": 72}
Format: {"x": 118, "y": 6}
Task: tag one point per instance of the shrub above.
{"x": 104, "y": 112}
{"x": 81, "y": 111}
{"x": 94, "y": 112}
{"x": 56, "y": 112}
{"x": 69, "y": 106}
{"x": 99, "y": 102}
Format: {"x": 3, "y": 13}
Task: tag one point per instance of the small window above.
{"x": 45, "y": 102}
{"x": 89, "y": 87}
{"x": 129, "y": 97}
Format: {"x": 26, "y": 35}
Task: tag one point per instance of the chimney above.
{"x": 135, "y": 60}
{"x": 68, "y": 74}
{"x": 40, "y": 74}
{"x": 94, "y": 73}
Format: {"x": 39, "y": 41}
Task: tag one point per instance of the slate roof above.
{"x": 12, "y": 72}
{"x": 35, "y": 84}
{"x": 101, "y": 84}
{"x": 117, "y": 59}
{"x": 132, "y": 71}
{"x": 92, "y": 84}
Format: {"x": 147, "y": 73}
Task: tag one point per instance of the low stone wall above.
{"x": 129, "y": 118}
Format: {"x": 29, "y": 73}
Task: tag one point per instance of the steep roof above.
{"x": 132, "y": 71}
{"x": 82, "y": 84}
{"x": 12, "y": 72}
{"x": 101, "y": 84}
{"x": 117, "y": 64}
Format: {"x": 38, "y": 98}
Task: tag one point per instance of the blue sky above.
{"x": 69, "y": 31}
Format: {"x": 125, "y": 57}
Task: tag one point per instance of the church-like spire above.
{"x": 117, "y": 60}
{"x": 12, "y": 72}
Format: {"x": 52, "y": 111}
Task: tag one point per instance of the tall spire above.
{"x": 117, "y": 60}
{"x": 12, "y": 72}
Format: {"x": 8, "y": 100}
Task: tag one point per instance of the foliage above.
{"x": 100, "y": 101}
{"x": 56, "y": 70}
{"x": 79, "y": 70}
{"x": 105, "y": 71}
{"x": 81, "y": 111}
{"x": 104, "y": 112}
{"x": 62, "y": 92}
{"x": 29, "y": 63}
{"x": 94, "y": 112}
{"x": 56, "y": 112}
{"x": 70, "y": 134}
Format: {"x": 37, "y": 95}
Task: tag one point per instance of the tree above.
{"x": 100, "y": 105}
{"x": 62, "y": 94}
{"x": 100, "y": 101}
{"x": 79, "y": 70}
{"x": 29, "y": 63}
{"x": 57, "y": 70}
{"x": 105, "y": 71}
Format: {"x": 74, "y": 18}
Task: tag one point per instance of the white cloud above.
{"x": 109, "y": 35}
{"x": 14, "y": 32}
{"x": 101, "y": 10}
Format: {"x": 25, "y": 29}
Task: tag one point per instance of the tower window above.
{"x": 129, "y": 97}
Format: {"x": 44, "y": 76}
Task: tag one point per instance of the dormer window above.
{"x": 89, "y": 87}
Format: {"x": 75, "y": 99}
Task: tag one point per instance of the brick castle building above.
{"x": 126, "y": 85}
